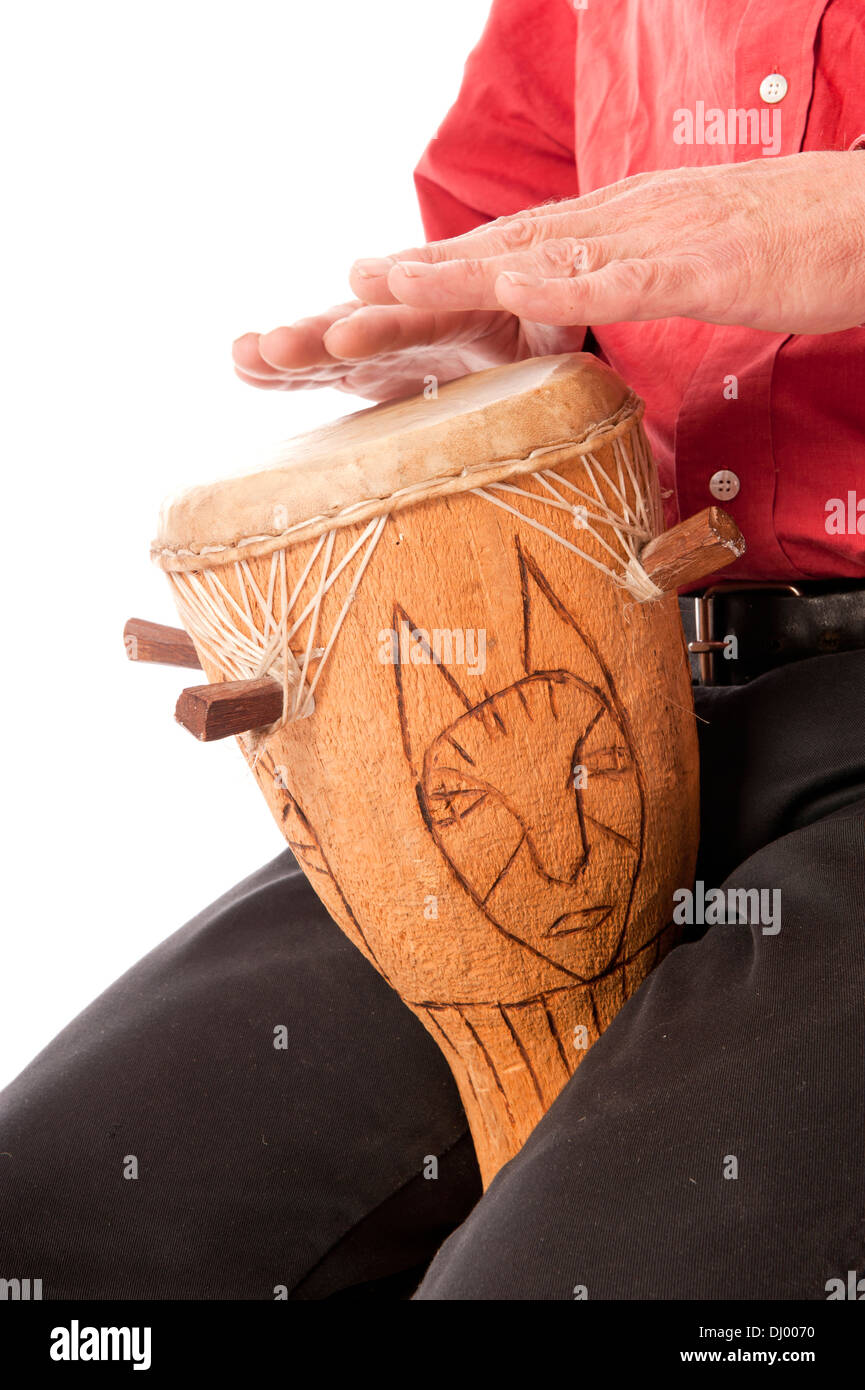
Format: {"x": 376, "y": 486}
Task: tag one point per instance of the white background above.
{"x": 173, "y": 174}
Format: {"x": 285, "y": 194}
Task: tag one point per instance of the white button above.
{"x": 773, "y": 88}
{"x": 723, "y": 485}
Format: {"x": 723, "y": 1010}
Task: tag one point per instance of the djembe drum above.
{"x": 446, "y": 633}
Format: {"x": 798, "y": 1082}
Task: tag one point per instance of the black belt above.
{"x": 735, "y": 632}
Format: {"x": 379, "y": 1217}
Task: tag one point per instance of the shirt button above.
{"x": 773, "y": 88}
{"x": 723, "y": 485}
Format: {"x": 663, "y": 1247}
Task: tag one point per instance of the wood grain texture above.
{"x": 230, "y": 707}
{"x": 497, "y": 793}
{"x": 702, "y": 544}
{"x": 156, "y": 643}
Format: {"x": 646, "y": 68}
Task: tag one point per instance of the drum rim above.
{"x": 180, "y": 558}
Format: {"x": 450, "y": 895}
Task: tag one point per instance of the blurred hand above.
{"x": 385, "y": 351}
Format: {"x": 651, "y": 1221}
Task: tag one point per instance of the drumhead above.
{"x": 466, "y": 434}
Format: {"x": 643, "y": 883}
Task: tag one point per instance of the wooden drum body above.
{"x": 493, "y": 785}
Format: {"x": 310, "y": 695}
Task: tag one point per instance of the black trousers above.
{"x": 250, "y": 1111}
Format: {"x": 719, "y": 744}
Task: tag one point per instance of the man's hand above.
{"x": 388, "y": 351}
{"x": 774, "y": 244}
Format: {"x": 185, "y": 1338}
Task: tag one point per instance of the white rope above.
{"x": 307, "y": 709}
{"x": 216, "y": 620}
{"x": 628, "y": 527}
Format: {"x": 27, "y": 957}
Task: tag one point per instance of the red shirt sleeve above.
{"x": 507, "y": 143}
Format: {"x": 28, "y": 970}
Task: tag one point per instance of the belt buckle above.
{"x": 706, "y": 644}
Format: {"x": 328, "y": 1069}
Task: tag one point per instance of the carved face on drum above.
{"x": 532, "y": 794}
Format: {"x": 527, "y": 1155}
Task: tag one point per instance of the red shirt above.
{"x": 558, "y": 100}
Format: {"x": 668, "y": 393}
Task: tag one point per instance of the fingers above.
{"x": 378, "y": 329}
{"x": 262, "y": 384}
{"x": 301, "y": 344}
{"x": 368, "y": 279}
{"x": 471, "y": 283}
{"x": 625, "y": 291}
{"x": 296, "y": 381}
{"x": 323, "y": 350}
{"x": 286, "y": 356}
{"x": 519, "y": 231}
{"x": 550, "y": 246}
{"x": 248, "y": 361}
{"x": 383, "y": 281}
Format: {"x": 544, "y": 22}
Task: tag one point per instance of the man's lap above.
{"x": 302, "y": 1165}
{"x": 259, "y": 1150}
